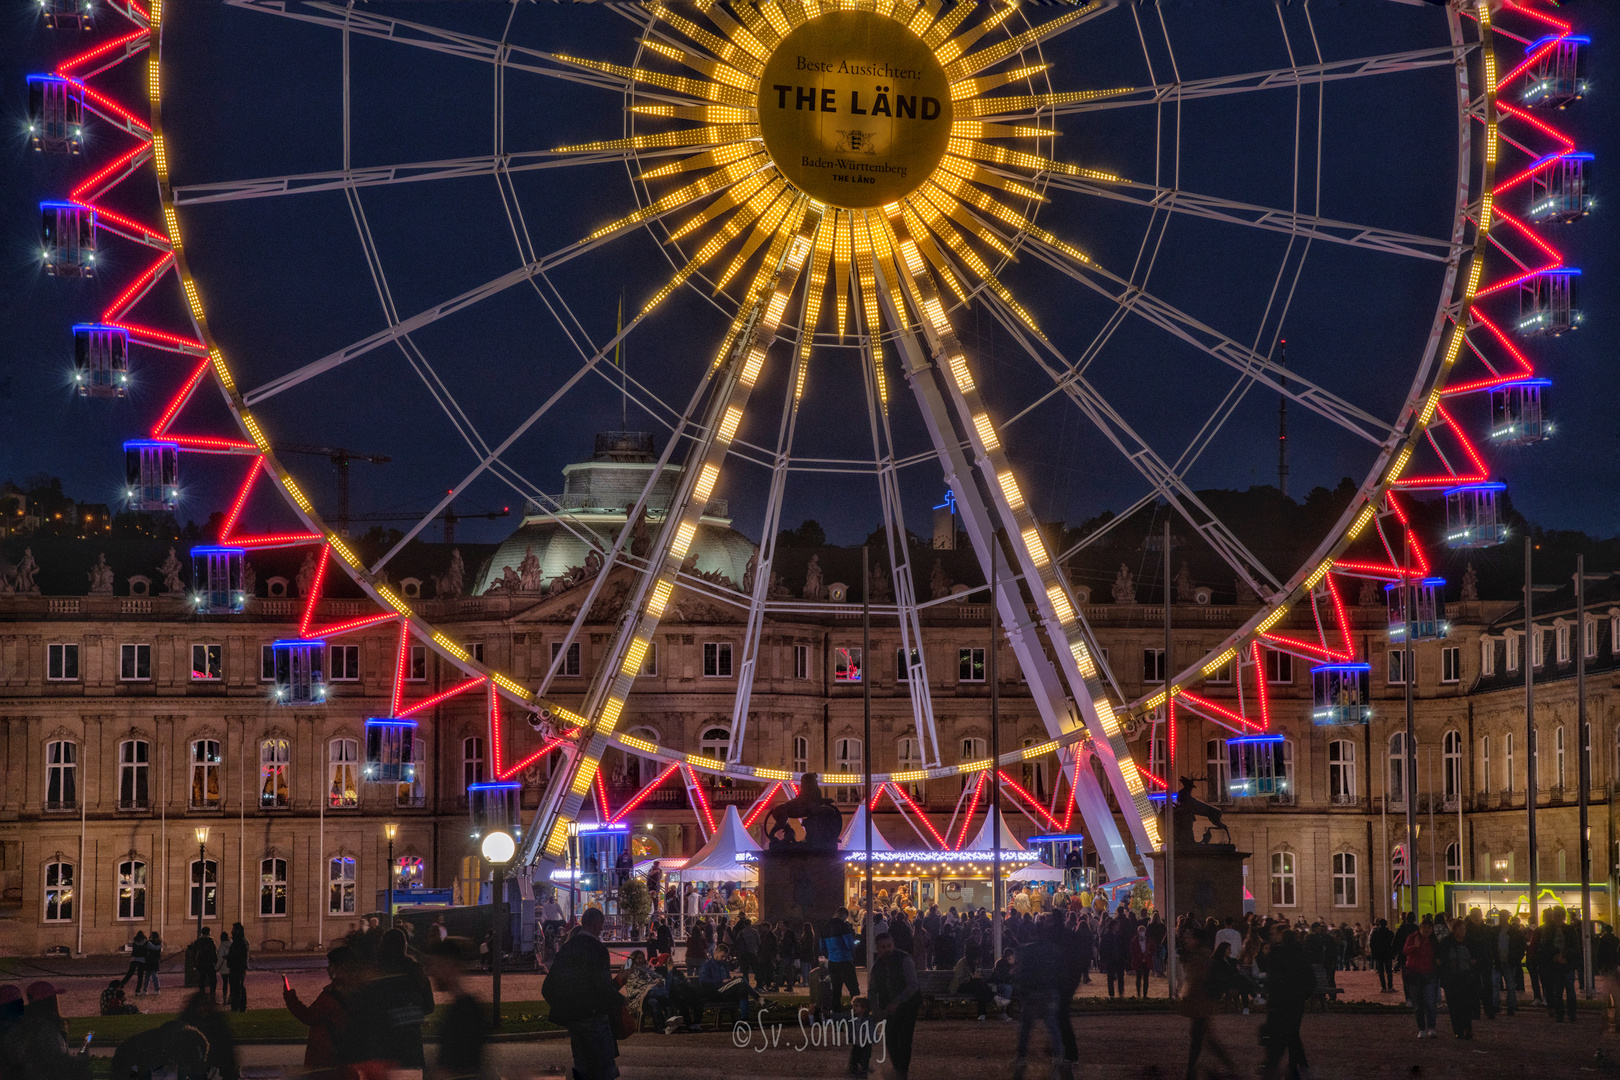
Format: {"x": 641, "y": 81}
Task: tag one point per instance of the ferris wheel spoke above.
{"x": 1166, "y": 481}
{"x": 1253, "y": 365}
{"x": 1269, "y": 219}
{"x": 1361, "y": 67}
{"x": 412, "y": 173}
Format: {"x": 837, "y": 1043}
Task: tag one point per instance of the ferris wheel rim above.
{"x": 1374, "y": 487}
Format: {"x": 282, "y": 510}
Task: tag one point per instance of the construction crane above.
{"x": 448, "y": 516}
{"x": 341, "y": 458}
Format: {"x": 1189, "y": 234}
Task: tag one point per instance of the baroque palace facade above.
{"x": 127, "y": 722}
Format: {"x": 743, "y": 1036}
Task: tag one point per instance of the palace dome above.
{"x": 597, "y": 496}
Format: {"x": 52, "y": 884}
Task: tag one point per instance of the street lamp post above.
{"x": 391, "y": 830}
{"x": 498, "y": 848}
{"x": 202, "y": 874}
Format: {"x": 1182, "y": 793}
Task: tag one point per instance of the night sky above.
{"x": 285, "y": 280}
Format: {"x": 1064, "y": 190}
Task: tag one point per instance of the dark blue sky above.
{"x": 285, "y": 280}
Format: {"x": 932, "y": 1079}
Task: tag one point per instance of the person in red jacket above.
{"x": 1141, "y": 951}
{"x": 328, "y": 1016}
{"x": 1423, "y": 977}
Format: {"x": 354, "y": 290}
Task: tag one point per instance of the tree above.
{"x": 809, "y": 534}
{"x": 635, "y": 905}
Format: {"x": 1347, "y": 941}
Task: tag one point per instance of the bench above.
{"x": 935, "y": 990}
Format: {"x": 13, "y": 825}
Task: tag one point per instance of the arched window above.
{"x": 205, "y": 778}
{"x": 1342, "y": 771}
{"x": 1507, "y": 762}
{"x": 62, "y": 774}
{"x": 343, "y": 760}
{"x": 204, "y": 888}
{"x": 1282, "y": 879}
{"x": 908, "y": 758}
{"x": 134, "y": 756}
{"x": 801, "y": 754}
{"x": 340, "y": 885}
{"x": 272, "y": 887}
{"x": 1454, "y": 868}
{"x": 716, "y": 742}
{"x": 275, "y": 756}
{"x": 1451, "y": 756}
{"x": 1397, "y": 767}
{"x": 1345, "y": 889}
{"x": 132, "y": 889}
{"x": 59, "y": 891}
{"x": 1484, "y": 764}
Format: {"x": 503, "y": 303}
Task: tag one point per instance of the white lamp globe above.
{"x": 498, "y": 847}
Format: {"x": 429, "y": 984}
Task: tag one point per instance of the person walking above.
{"x": 1557, "y": 956}
{"x": 1289, "y": 986}
{"x": 330, "y": 1017}
{"x": 896, "y": 998}
{"x": 1510, "y": 946}
{"x": 236, "y": 985}
{"x": 463, "y": 1021}
{"x": 1459, "y": 974}
{"x": 583, "y": 999}
{"x": 1422, "y": 979}
{"x": 1381, "y": 949}
{"x": 1039, "y": 973}
{"x": 838, "y": 946}
{"x": 1200, "y": 992}
{"x": 1116, "y": 954}
{"x": 206, "y": 961}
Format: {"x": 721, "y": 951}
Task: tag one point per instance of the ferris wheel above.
{"x": 819, "y": 213}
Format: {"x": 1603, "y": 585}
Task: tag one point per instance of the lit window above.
{"x": 275, "y": 758}
{"x": 59, "y": 892}
{"x": 570, "y": 664}
{"x": 205, "y": 779}
{"x": 135, "y": 663}
{"x": 62, "y": 663}
{"x": 207, "y": 663}
{"x": 970, "y": 665}
{"x": 204, "y": 888}
{"x": 413, "y": 792}
{"x": 1282, "y": 879}
{"x": 340, "y": 880}
{"x": 715, "y": 743}
{"x": 272, "y": 887}
{"x": 717, "y": 659}
{"x": 343, "y": 759}
{"x": 846, "y": 664}
{"x": 132, "y": 889}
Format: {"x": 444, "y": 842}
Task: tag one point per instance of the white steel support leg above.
{"x": 1045, "y": 685}
{"x": 948, "y": 371}
{"x": 741, "y": 359}
{"x": 905, "y": 591}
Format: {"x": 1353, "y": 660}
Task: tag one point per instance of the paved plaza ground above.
{"x": 1368, "y": 1035}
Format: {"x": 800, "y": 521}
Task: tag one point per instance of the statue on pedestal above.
{"x": 820, "y": 817}
{"x": 1189, "y": 806}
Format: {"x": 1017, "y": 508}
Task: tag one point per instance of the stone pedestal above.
{"x": 1209, "y": 882}
{"x": 800, "y": 884}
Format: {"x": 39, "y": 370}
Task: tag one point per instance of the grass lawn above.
{"x": 277, "y": 1025}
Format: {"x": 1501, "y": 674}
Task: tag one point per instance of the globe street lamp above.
{"x": 202, "y": 874}
{"x": 498, "y": 849}
{"x": 391, "y": 830}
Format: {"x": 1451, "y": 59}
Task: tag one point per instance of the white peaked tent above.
{"x": 1037, "y": 872}
{"x": 854, "y": 838}
{"x": 717, "y": 860}
{"x": 985, "y": 842}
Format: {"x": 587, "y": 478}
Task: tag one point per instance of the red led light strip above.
{"x": 241, "y": 498}
{"x": 761, "y": 804}
{"x": 600, "y": 787}
{"x": 284, "y": 540}
{"x": 1195, "y": 701}
{"x": 1019, "y": 790}
{"x": 314, "y": 591}
{"x": 526, "y": 762}
{"x": 399, "y": 667}
{"x": 136, "y": 288}
{"x": 354, "y": 624}
{"x": 159, "y": 339}
{"x": 179, "y": 401}
{"x": 973, "y": 808}
{"x": 702, "y": 799}
{"x": 918, "y": 813}
{"x": 105, "y": 171}
{"x": 428, "y": 703}
{"x": 641, "y": 796}
{"x": 103, "y": 49}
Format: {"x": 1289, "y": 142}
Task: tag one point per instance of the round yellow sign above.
{"x": 855, "y": 109}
